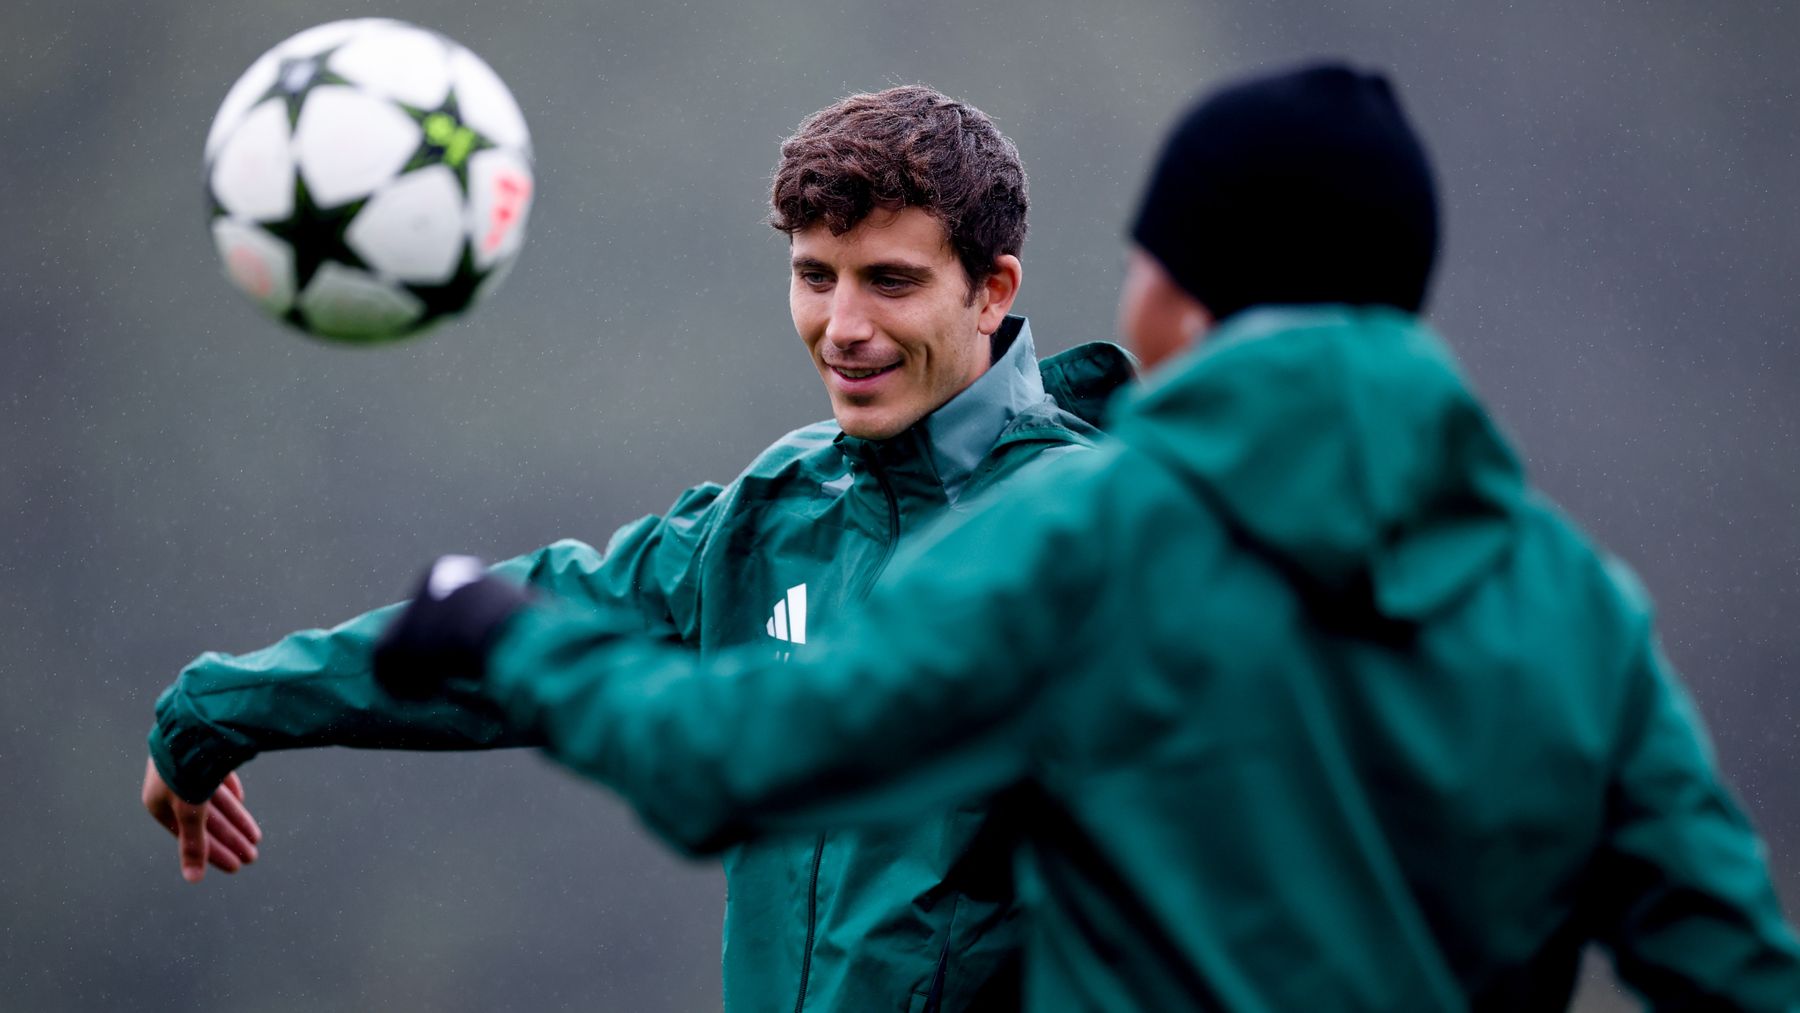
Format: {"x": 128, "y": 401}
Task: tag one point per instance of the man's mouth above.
{"x": 863, "y": 374}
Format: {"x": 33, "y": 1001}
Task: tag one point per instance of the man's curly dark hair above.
{"x": 910, "y": 146}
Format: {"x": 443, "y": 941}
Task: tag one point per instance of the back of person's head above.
{"x": 910, "y": 146}
{"x": 1305, "y": 186}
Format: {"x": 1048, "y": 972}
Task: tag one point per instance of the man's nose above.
{"x": 850, "y": 322}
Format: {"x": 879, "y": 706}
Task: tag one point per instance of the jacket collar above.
{"x": 964, "y": 430}
{"x": 957, "y": 437}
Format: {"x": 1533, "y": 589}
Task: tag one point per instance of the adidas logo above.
{"x": 789, "y": 621}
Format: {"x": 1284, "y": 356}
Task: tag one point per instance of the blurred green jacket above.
{"x": 1307, "y": 700}
{"x": 911, "y": 916}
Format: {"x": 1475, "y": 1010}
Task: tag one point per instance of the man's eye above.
{"x": 815, "y": 278}
{"x": 891, "y": 285}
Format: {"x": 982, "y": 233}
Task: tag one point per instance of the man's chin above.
{"x": 867, "y": 424}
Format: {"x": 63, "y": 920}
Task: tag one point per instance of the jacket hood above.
{"x": 1342, "y": 443}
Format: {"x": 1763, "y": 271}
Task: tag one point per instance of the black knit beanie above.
{"x": 1306, "y": 186}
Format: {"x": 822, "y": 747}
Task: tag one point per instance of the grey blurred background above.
{"x": 177, "y": 474}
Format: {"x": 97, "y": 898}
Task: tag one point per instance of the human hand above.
{"x": 220, "y": 830}
{"x": 447, "y": 628}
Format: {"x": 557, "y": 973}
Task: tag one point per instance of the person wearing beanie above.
{"x": 1307, "y": 187}
{"x": 1308, "y": 700}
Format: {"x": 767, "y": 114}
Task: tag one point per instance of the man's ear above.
{"x": 995, "y": 293}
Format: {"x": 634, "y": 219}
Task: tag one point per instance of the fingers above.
{"x": 222, "y": 833}
{"x": 193, "y": 846}
{"x": 230, "y": 805}
{"x": 221, "y": 858}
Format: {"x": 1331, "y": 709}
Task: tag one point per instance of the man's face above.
{"x": 885, "y": 311}
{"x": 1157, "y": 317}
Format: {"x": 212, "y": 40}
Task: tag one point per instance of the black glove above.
{"x": 447, "y": 629}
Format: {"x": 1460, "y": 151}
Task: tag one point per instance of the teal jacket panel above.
{"x": 906, "y": 915}
{"x": 1303, "y": 697}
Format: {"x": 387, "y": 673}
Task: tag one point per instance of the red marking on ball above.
{"x": 250, "y": 271}
{"x": 512, "y": 191}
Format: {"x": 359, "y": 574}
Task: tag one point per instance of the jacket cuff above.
{"x": 192, "y": 756}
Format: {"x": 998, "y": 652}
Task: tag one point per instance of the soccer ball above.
{"x": 367, "y": 178}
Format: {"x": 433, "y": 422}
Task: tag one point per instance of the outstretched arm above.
{"x": 932, "y": 694}
{"x": 316, "y": 687}
{"x": 312, "y": 688}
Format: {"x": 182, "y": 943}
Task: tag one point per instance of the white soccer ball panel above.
{"x": 485, "y": 104}
{"x": 500, "y": 187}
{"x": 254, "y": 174}
{"x": 319, "y": 38}
{"x": 348, "y": 143}
{"x": 412, "y": 229}
{"x": 260, "y": 265}
{"x": 398, "y": 61}
{"x": 252, "y": 86}
{"x": 342, "y": 302}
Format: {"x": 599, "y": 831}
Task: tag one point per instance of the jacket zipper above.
{"x": 812, "y": 887}
{"x": 893, "y": 539}
{"x": 812, "y": 922}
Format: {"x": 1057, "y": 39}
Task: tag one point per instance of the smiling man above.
{"x": 906, "y": 211}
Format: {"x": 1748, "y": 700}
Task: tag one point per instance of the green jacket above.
{"x": 910, "y": 916}
{"x": 1308, "y": 700}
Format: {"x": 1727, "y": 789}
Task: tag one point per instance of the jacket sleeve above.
{"x": 932, "y": 695}
{"x": 315, "y": 687}
{"x": 1685, "y": 903}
